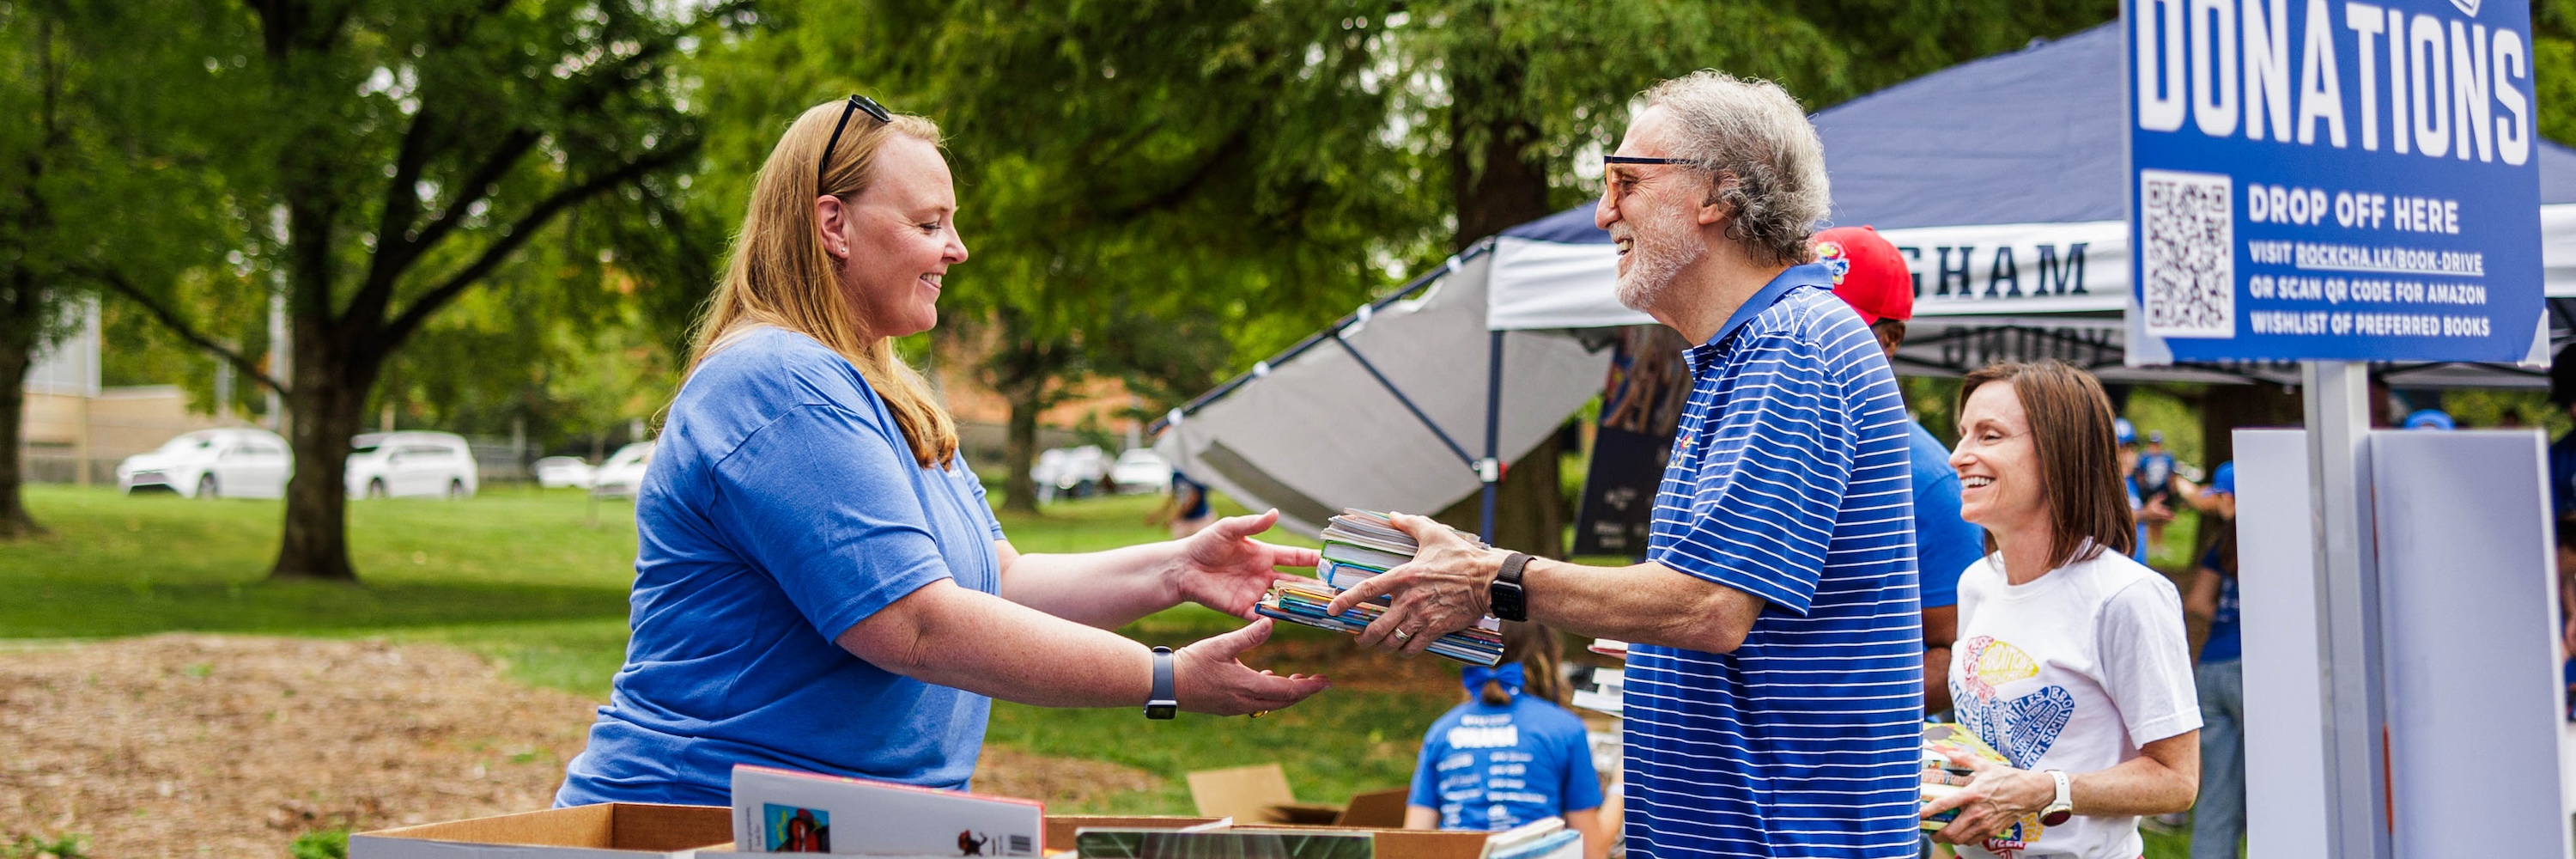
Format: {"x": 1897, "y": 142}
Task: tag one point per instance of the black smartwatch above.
{"x": 1509, "y": 601}
{"x": 1161, "y": 705}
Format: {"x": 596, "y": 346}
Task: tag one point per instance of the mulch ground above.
{"x": 200, "y": 745}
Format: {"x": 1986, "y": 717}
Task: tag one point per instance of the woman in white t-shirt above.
{"x": 2071, "y": 659}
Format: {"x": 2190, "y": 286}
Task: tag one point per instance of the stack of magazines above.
{"x": 1359, "y": 544}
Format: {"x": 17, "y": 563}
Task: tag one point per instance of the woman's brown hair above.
{"x": 2079, "y": 460}
{"x": 1539, "y": 652}
{"x": 779, "y": 275}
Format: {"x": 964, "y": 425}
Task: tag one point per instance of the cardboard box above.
{"x": 616, "y": 830}
{"x": 1260, "y": 794}
{"x": 1389, "y": 842}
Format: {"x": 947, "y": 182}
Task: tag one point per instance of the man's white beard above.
{"x": 1657, "y": 253}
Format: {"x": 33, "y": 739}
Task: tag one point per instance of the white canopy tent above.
{"x": 2001, "y": 179}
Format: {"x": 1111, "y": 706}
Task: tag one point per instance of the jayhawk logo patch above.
{"x": 1831, "y": 254}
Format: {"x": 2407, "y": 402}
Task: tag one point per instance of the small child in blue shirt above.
{"x": 1512, "y": 754}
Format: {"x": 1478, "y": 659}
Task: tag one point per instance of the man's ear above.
{"x": 1714, "y": 210}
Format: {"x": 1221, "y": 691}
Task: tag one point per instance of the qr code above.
{"x": 2188, "y": 258}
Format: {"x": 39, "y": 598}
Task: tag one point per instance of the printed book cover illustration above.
{"x": 782, "y": 811}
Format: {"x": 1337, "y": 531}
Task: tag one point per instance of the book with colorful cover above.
{"x": 1306, "y": 603}
{"x": 784, "y": 811}
{"x": 1939, "y": 739}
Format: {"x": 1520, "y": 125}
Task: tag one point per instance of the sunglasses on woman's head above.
{"x": 856, "y": 103}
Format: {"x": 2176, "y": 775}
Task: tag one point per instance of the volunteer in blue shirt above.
{"x": 2127, "y": 436}
{"x": 2218, "y": 817}
{"x": 1512, "y": 754}
{"x": 819, "y": 585}
{"x": 1775, "y": 668}
{"x": 1870, "y": 275}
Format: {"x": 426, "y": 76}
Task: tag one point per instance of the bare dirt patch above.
{"x": 198, "y": 745}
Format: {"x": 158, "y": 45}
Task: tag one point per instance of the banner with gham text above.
{"x": 2333, "y": 180}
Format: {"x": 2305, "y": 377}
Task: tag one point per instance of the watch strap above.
{"x": 1507, "y": 597}
{"x": 2063, "y": 806}
{"x": 1161, "y": 704}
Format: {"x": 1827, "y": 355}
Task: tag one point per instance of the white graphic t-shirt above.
{"x": 2073, "y": 671}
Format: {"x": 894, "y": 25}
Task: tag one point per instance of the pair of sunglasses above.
{"x": 1639, "y": 159}
{"x": 855, "y": 104}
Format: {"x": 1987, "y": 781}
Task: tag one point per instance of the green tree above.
{"x": 86, "y": 189}
{"x": 402, "y": 154}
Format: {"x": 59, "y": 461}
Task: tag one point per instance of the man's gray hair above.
{"x": 1769, "y": 168}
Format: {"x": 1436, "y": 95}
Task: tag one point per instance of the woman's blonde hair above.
{"x": 779, "y": 275}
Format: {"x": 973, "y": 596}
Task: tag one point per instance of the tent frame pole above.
{"x": 1490, "y": 468}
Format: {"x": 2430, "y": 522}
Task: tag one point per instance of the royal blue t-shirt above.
{"x": 781, "y": 508}
{"x": 1490, "y": 768}
{"x": 1944, "y": 544}
{"x": 1789, "y": 481}
{"x": 2562, "y": 476}
{"x": 2226, "y": 643}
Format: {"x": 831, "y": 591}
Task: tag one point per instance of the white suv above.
{"x": 215, "y": 463}
{"x": 411, "y": 465}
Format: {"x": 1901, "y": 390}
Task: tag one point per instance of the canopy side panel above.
{"x": 1319, "y": 432}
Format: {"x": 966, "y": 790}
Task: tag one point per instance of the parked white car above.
{"x": 1071, "y": 472}
{"x": 623, "y": 474}
{"x": 411, "y": 464}
{"x": 1141, "y": 470}
{"x": 215, "y": 463}
{"x": 559, "y": 472}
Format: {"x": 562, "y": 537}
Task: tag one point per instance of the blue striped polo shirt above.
{"x": 1790, "y": 480}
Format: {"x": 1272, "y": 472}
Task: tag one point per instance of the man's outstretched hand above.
{"x": 1442, "y": 590}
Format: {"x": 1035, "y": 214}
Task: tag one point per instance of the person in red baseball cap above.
{"x": 1871, "y": 276}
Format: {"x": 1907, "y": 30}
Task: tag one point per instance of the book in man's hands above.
{"x": 1360, "y": 544}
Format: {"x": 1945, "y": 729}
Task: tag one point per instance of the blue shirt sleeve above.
{"x": 983, "y": 504}
{"x": 1426, "y": 769}
{"x": 1762, "y": 508}
{"x": 1944, "y": 544}
{"x": 1582, "y": 788}
{"x": 823, "y": 500}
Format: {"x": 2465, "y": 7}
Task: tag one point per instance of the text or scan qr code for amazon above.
{"x": 2187, "y": 257}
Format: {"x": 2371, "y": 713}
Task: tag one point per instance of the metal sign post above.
{"x": 2355, "y": 707}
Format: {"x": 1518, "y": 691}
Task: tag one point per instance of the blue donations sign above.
{"x": 2333, "y": 180}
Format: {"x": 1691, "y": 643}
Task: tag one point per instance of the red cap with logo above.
{"x": 1869, "y": 274}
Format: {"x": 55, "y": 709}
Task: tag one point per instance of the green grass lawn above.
{"x": 538, "y": 581}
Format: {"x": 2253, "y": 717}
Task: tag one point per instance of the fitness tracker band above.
{"x": 2058, "y": 811}
{"x": 1161, "y": 705}
{"x": 1509, "y": 601}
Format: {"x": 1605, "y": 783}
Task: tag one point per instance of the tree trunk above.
{"x": 17, "y": 352}
{"x": 1496, "y": 183}
{"x": 328, "y": 400}
{"x": 1020, "y": 451}
{"x": 2224, "y": 408}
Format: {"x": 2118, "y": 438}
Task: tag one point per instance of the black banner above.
{"x": 1640, "y": 405}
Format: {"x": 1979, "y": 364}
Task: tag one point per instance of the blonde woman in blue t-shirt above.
{"x": 819, "y": 584}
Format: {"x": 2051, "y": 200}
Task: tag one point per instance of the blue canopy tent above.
{"x": 2002, "y": 180}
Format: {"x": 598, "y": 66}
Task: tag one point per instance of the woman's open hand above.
{"x": 1223, "y": 568}
{"x": 1995, "y": 796}
{"x": 1207, "y": 677}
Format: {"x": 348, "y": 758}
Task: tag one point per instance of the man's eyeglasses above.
{"x": 1616, "y": 186}
{"x": 856, "y": 103}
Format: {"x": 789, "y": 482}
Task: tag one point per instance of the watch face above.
{"x": 1161, "y": 711}
{"x": 2056, "y": 818}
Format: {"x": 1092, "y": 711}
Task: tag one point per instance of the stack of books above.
{"x": 1359, "y": 544}
{"x": 1939, "y": 739}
